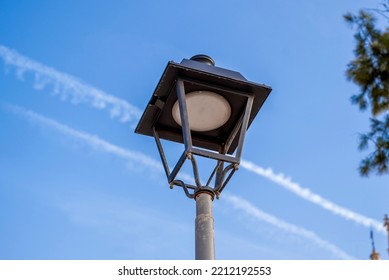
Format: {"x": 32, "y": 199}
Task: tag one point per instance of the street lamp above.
{"x": 208, "y": 109}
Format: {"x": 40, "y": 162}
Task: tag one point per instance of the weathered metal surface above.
{"x": 204, "y": 224}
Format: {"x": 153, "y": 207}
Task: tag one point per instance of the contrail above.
{"x": 307, "y": 194}
{"x": 248, "y": 208}
{"x": 80, "y": 92}
{"x": 104, "y": 146}
{"x": 92, "y": 140}
{"x": 69, "y": 87}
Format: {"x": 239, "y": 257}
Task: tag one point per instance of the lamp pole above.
{"x": 204, "y": 226}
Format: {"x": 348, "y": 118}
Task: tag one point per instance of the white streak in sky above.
{"x": 251, "y": 210}
{"x": 104, "y": 146}
{"x": 92, "y": 140}
{"x": 69, "y": 87}
{"x": 96, "y": 142}
{"x": 307, "y": 194}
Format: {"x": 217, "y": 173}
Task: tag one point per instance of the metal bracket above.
{"x": 223, "y": 174}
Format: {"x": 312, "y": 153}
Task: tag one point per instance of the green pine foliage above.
{"x": 370, "y": 71}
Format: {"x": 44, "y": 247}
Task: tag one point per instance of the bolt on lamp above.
{"x": 208, "y": 109}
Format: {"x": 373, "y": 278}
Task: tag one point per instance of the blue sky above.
{"x": 77, "y": 183}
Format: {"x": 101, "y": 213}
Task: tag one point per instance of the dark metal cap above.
{"x": 204, "y": 59}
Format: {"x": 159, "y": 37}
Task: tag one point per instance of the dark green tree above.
{"x": 370, "y": 71}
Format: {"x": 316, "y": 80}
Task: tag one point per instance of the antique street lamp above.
{"x": 208, "y": 109}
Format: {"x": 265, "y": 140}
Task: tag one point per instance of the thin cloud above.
{"x": 116, "y": 216}
{"x": 96, "y": 142}
{"x": 310, "y": 196}
{"x": 69, "y": 87}
{"x": 251, "y": 210}
{"x": 92, "y": 140}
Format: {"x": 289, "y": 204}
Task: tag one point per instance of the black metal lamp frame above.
{"x": 223, "y": 174}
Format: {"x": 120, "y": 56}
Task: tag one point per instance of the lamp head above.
{"x": 216, "y": 100}
{"x": 209, "y": 110}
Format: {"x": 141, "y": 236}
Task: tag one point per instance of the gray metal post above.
{"x": 205, "y": 242}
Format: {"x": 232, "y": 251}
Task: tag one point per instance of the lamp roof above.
{"x": 200, "y": 76}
